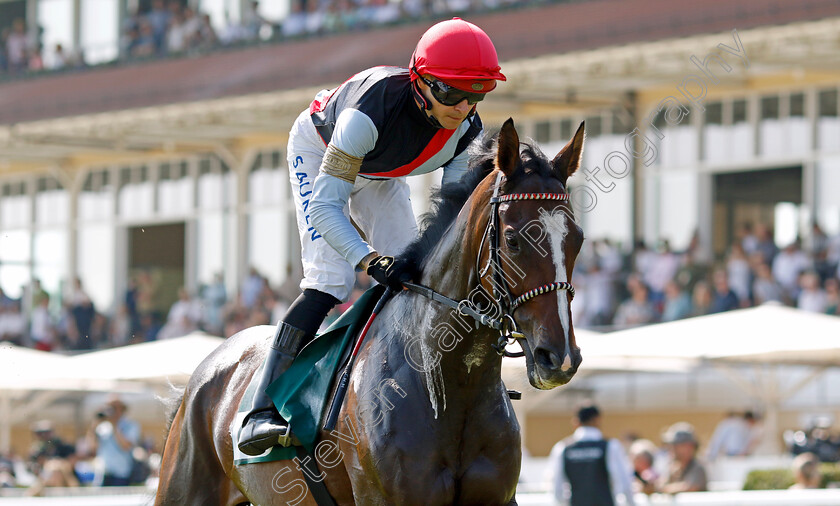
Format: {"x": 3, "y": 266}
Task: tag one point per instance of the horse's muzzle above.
{"x": 554, "y": 369}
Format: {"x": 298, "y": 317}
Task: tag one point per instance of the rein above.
{"x": 506, "y": 304}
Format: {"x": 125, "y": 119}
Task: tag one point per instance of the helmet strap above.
{"x": 418, "y": 94}
{"x": 425, "y": 105}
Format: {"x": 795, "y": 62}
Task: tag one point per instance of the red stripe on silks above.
{"x": 319, "y": 105}
{"x": 432, "y": 148}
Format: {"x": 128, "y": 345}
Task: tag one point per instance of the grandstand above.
{"x": 701, "y": 117}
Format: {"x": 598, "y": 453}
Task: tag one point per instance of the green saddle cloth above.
{"x": 300, "y": 394}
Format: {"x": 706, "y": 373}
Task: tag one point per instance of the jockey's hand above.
{"x": 389, "y": 271}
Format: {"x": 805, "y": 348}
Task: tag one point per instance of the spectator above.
{"x": 35, "y": 62}
{"x": 7, "y": 473}
{"x": 121, "y": 327}
{"x": 637, "y": 310}
{"x": 686, "y": 473}
{"x": 811, "y": 296}
{"x": 642, "y": 455}
{"x": 113, "y": 437}
{"x": 4, "y": 58}
{"x": 47, "y": 444}
{"x": 765, "y": 288}
{"x": 735, "y": 435}
{"x": 157, "y": 20}
{"x": 663, "y": 268}
{"x": 207, "y": 36}
{"x": 599, "y": 295}
{"x": 690, "y": 272}
{"x": 315, "y": 18}
{"x": 701, "y": 299}
{"x": 5, "y": 300}
{"x": 147, "y": 293}
{"x": 176, "y": 35}
{"x": 766, "y": 245}
{"x": 183, "y": 317}
{"x": 251, "y": 288}
{"x": 83, "y": 312}
{"x": 214, "y": 297}
{"x": 787, "y": 267}
{"x": 588, "y": 469}
{"x": 739, "y": 274}
{"x": 41, "y": 329}
{"x": 51, "y": 460}
{"x": 677, "y": 303}
{"x": 643, "y": 259}
{"x": 723, "y": 299}
{"x": 38, "y": 293}
{"x": 747, "y": 239}
{"x": 16, "y": 46}
{"x": 832, "y": 296}
{"x": 253, "y": 22}
{"x": 806, "y": 471}
{"x": 192, "y": 28}
{"x": 12, "y": 323}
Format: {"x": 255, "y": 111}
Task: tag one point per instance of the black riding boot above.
{"x": 263, "y": 427}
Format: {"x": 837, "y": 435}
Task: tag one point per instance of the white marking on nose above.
{"x": 567, "y": 362}
{"x": 556, "y": 230}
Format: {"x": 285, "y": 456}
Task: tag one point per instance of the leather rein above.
{"x": 505, "y": 304}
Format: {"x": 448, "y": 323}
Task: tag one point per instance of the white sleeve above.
{"x": 455, "y": 170}
{"x": 326, "y": 210}
{"x": 356, "y": 135}
{"x": 620, "y": 472}
{"x": 560, "y": 484}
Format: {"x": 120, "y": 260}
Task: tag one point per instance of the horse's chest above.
{"x": 458, "y": 458}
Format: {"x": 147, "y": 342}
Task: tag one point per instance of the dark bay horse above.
{"x": 427, "y": 419}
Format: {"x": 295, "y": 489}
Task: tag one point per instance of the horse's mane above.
{"x": 447, "y": 200}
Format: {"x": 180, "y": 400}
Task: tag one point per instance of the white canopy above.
{"x": 21, "y": 367}
{"x": 160, "y": 362}
{"x": 770, "y": 333}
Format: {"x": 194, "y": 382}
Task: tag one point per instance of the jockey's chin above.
{"x": 450, "y": 117}
{"x": 451, "y": 121}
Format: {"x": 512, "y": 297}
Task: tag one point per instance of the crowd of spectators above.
{"x": 614, "y": 290}
{"x": 79, "y": 326}
{"x": 173, "y": 27}
{"x": 112, "y": 452}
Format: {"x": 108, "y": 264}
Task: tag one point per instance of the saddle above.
{"x": 302, "y": 392}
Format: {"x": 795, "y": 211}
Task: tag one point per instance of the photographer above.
{"x": 113, "y": 437}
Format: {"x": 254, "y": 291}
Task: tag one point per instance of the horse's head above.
{"x": 537, "y": 243}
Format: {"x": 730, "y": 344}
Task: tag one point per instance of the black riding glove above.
{"x": 389, "y": 271}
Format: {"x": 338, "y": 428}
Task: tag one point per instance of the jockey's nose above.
{"x": 463, "y": 106}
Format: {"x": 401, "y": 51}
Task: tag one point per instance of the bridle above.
{"x": 505, "y": 304}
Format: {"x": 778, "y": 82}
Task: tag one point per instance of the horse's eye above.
{"x": 511, "y": 241}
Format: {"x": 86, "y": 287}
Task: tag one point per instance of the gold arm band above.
{"x": 339, "y": 164}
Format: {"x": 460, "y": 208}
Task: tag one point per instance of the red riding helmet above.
{"x": 459, "y": 54}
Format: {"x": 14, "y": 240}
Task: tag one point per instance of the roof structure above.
{"x": 571, "y": 56}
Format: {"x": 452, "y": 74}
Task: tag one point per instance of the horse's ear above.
{"x": 507, "y": 156}
{"x": 568, "y": 159}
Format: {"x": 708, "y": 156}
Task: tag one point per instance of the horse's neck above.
{"x": 464, "y": 352}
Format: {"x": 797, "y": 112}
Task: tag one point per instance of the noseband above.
{"x": 505, "y": 303}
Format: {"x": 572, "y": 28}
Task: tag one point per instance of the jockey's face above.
{"x": 449, "y": 116}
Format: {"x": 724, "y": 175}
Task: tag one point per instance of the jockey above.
{"x": 348, "y": 157}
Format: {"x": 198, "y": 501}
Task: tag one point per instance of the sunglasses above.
{"x": 449, "y": 95}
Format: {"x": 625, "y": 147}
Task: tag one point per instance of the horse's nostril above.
{"x": 547, "y": 359}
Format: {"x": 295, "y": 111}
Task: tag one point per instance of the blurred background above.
{"x": 144, "y": 197}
